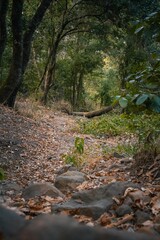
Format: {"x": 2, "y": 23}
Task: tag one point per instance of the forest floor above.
{"x": 31, "y": 150}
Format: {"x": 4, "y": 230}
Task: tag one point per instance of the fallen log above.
{"x": 99, "y": 112}
{"x": 83, "y": 114}
{"x": 95, "y": 113}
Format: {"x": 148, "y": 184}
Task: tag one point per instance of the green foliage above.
{"x": 144, "y": 88}
{"x": 2, "y": 174}
{"x": 79, "y": 145}
{"x": 143, "y": 125}
{"x": 75, "y": 157}
{"x": 127, "y": 149}
{"x": 125, "y": 124}
{"x": 143, "y": 81}
{"x": 110, "y": 125}
{"x": 123, "y": 102}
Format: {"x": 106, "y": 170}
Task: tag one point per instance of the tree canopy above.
{"x": 57, "y": 50}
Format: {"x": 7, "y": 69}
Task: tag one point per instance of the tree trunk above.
{"x": 3, "y": 29}
{"x": 48, "y": 77}
{"x": 15, "y": 73}
{"x": 96, "y": 113}
{"x": 29, "y": 34}
{"x": 9, "y": 91}
{"x": 80, "y": 88}
{"x": 99, "y": 112}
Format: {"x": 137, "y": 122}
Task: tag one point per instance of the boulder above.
{"x": 94, "y": 202}
{"x": 41, "y": 189}
{"x": 9, "y": 186}
{"x": 142, "y": 216}
{"x": 10, "y": 223}
{"x": 123, "y": 210}
{"x": 69, "y": 180}
{"x": 54, "y": 227}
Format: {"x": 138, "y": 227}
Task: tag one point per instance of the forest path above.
{"x": 31, "y": 150}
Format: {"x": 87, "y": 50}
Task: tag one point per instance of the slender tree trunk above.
{"x": 80, "y": 88}
{"x": 74, "y": 83}
{"x": 48, "y": 78}
{"x": 9, "y": 92}
{"x": 15, "y": 73}
{"x": 48, "y": 82}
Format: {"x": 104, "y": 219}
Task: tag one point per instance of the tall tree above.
{"x": 73, "y": 17}
{"x": 21, "y": 48}
{"x": 3, "y": 31}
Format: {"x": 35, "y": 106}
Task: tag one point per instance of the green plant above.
{"x": 79, "y": 145}
{"x": 75, "y": 157}
{"x": 126, "y": 149}
{"x": 140, "y": 125}
{"x": 109, "y": 125}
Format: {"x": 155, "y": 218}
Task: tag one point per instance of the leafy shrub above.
{"x": 115, "y": 125}
{"x": 129, "y": 149}
{"x": 109, "y": 125}
{"x": 75, "y": 157}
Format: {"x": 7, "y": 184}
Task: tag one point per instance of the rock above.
{"x": 139, "y": 195}
{"x": 117, "y": 155}
{"x": 41, "y": 189}
{"x": 10, "y": 223}
{"x": 9, "y": 186}
{"x": 67, "y": 167}
{"x": 128, "y": 201}
{"x": 69, "y": 180}
{"x": 8, "y": 189}
{"x": 141, "y": 217}
{"x": 53, "y": 227}
{"x": 157, "y": 227}
{"x": 94, "y": 202}
{"x": 123, "y": 210}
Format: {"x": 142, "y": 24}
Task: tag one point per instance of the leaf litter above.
{"x": 31, "y": 151}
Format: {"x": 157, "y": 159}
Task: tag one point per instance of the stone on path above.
{"x": 123, "y": 210}
{"x": 54, "y": 227}
{"x": 95, "y": 202}
{"x": 9, "y": 186}
{"x": 69, "y": 180}
{"x": 10, "y": 223}
{"x": 41, "y": 189}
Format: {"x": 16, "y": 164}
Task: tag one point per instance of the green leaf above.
{"x": 117, "y": 97}
{"x": 79, "y": 145}
{"x": 139, "y": 29}
{"x": 134, "y": 97}
{"x": 123, "y": 102}
{"x": 142, "y": 99}
{"x": 155, "y": 104}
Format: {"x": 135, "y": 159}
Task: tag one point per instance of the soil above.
{"x": 32, "y": 150}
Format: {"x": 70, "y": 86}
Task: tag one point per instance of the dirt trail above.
{"x": 31, "y": 150}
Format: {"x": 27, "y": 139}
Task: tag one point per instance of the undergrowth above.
{"x": 144, "y": 128}
{"x": 123, "y": 124}
{"x": 76, "y": 155}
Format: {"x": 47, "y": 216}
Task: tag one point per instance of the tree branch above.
{"x": 34, "y": 23}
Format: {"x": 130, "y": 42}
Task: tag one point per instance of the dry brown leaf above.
{"x": 156, "y": 204}
{"x": 105, "y": 219}
{"x": 126, "y": 218}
